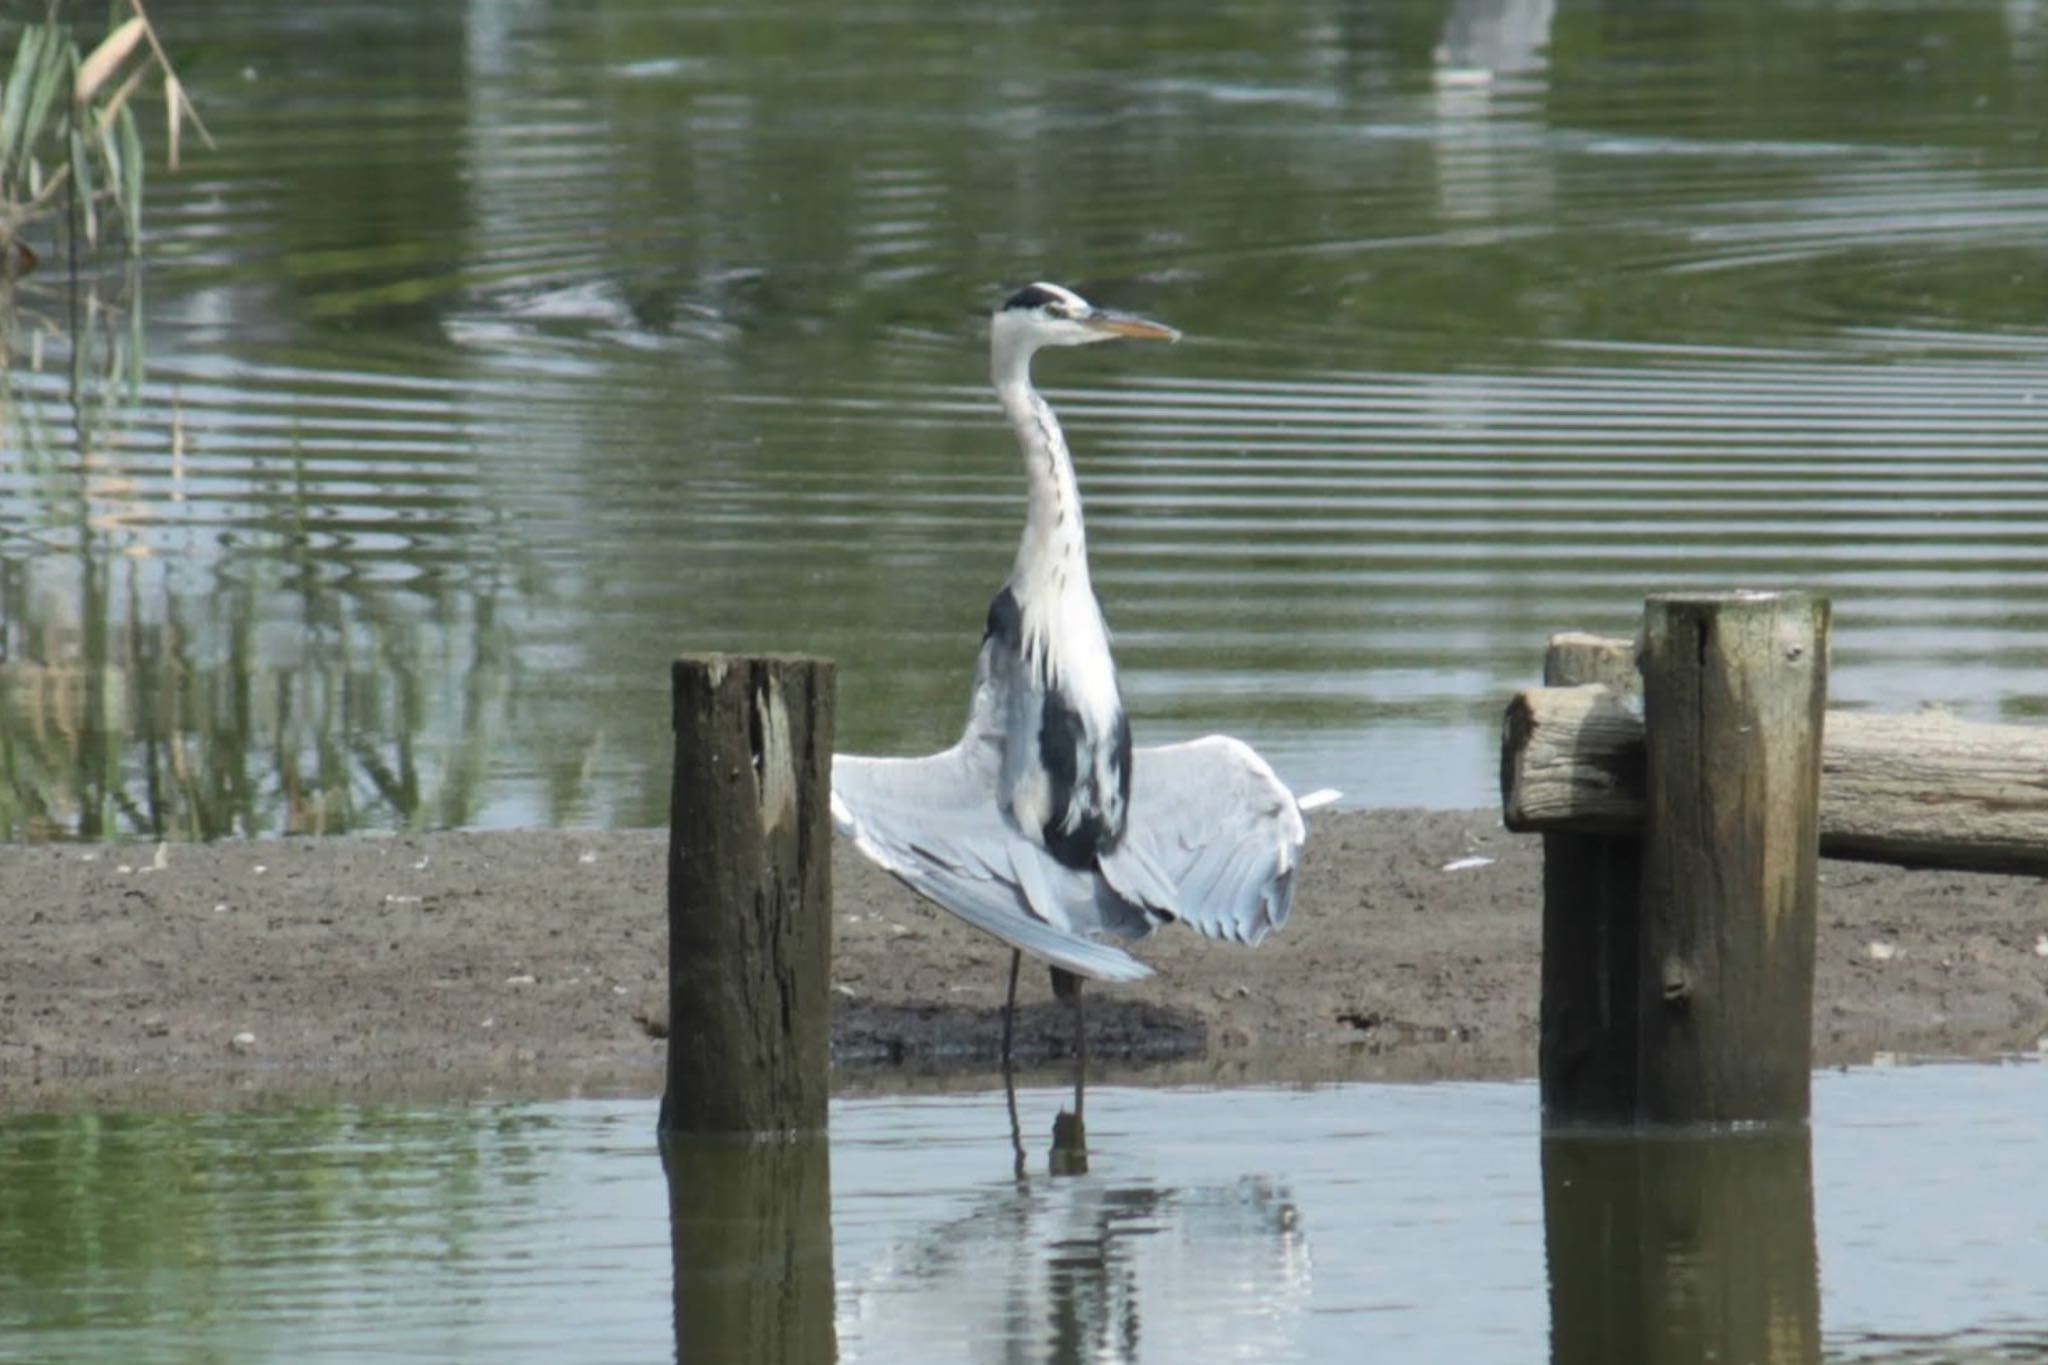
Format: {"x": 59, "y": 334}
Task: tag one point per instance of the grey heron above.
{"x": 1042, "y": 825}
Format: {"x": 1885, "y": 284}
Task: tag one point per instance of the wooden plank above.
{"x": 1923, "y": 790}
{"x": 1734, "y": 698}
{"x": 750, "y": 896}
{"x": 1572, "y": 658}
{"x": 1933, "y": 791}
{"x": 1572, "y": 759}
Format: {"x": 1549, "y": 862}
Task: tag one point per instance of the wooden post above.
{"x": 749, "y": 896}
{"x": 1734, "y": 691}
{"x": 1586, "y": 1050}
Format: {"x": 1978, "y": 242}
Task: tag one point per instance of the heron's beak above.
{"x": 1130, "y": 325}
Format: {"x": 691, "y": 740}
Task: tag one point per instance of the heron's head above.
{"x": 1048, "y": 315}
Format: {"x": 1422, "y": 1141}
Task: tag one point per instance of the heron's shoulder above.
{"x": 1005, "y": 620}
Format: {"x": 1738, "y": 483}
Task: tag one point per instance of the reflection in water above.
{"x": 1069, "y": 1141}
{"x": 317, "y": 1234}
{"x": 1069, "y": 1155}
{"x": 298, "y": 693}
{"x": 1062, "y": 1270}
{"x": 751, "y": 1236}
{"x": 1489, "y": 72}
{"x": 1487, "y": 39}
{"x": 1055, "y": 1266}
{"x": 69, "y": 390}
{"x": 548, "y": 1233}
{"x": 1681, "y": 1248}
{"x": 180, "y": 718}
{"x": 502, "y": 351}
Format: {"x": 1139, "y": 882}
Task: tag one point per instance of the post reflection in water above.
{"x": 750, "y": 1230}
{"x": 1681, "y": 1247}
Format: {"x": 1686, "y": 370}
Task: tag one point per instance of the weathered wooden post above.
{"x": 749, "y": 896}
{"x": 1734, "y": 692}
{"x": 1586, "y": 1057}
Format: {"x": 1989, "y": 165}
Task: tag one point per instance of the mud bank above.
{"x": 531, "y": 964}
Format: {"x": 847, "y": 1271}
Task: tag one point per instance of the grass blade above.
{"x": 116, "y": 102}
{"x": 174, "y": 104}
{"x": 116, "y": 171}
{"x": 52, "y": 65}
{"x": 131, "y": 162}
{"x": 81, "y": 185}
{"x": 14, "y": 148}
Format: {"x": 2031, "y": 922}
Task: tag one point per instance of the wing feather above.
{"x": 935, "y": 825}
{"x": 1215, "y": 818}
{"x": 1137, "y": 878}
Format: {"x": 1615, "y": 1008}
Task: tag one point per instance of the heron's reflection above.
{"x": 1052, "y": 1264}
{"x": 1681, "y": 1247}
{"x": 1491, "y": 71}
{"x": 1486, "y": 39}
{"x": 1069, "y": 1155}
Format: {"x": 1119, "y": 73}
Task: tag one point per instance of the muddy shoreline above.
{"x": 531, "y": 964}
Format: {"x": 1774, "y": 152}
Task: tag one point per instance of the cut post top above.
{"x": 1726, "y": 597}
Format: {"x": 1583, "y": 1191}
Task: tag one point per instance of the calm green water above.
{"x": 1420, "y": 1223}
{"x": 503, "y": 350}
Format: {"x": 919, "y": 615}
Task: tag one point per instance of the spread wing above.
{"x": 935, "y": 823}
{"x": 1212, "y": 816}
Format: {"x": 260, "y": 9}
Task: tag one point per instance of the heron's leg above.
{"x": 1010, "y": 1009}
{"x": 1070, "y": 1131}
{"x": 1080, "y": 1050}
{"x": 1067, "y": 985}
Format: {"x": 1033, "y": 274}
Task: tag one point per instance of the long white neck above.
{"x": 1054, "y": 550}
{"x": 1053, "y": 545}
{"x": 1061, "y": 637}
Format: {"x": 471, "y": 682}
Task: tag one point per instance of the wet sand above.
{"x": 531, "y": 964}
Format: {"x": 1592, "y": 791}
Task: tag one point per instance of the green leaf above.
{"x": 14, "y": 108}
{"x": 109, "y": 162}
{"x": 51, "y": 73}
{"x": 137, "y": 357}
{"x": 132, "y": 163}
{"x": 81, "y": 185}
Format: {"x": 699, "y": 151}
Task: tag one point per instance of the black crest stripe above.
{"x": 1031, "y": 296}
